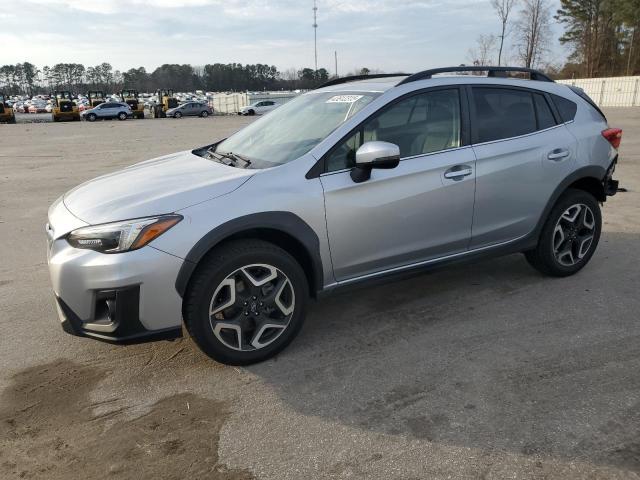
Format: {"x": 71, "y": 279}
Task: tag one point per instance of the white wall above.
{"x": 610, "y": 91}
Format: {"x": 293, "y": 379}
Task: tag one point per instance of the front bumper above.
{"x": 120, "y": 297}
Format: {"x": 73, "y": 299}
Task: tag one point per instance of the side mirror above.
{"x": 374, "y": 155}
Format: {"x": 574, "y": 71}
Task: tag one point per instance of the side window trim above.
{"x": 553, "y": 107}
{"x": 464, "y": 126}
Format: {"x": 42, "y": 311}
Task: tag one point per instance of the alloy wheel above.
{"x": 251, "y": 307}
{"x": 573, "y": 234}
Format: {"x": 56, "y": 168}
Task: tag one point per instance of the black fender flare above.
{"x": 281, "y": 221}
{"x": 592, "y": 171}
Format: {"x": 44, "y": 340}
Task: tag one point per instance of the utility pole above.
{"x": 335, "y": 53}
{"x": 315, "y": 36}
{"x": 633, "y": 34}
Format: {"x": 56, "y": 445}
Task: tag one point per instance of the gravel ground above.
{"x": 481, "y": 371}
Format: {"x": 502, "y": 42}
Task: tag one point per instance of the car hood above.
{"x": 161, "y": 185}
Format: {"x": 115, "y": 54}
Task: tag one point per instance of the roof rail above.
{"x": 491, "y": 72}
{"x": 353, "y": 78}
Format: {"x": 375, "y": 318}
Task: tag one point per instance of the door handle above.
{"x": 457, "y": 172}
{"x": 558, "y": 154}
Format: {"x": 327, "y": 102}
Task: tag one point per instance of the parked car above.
{"x": 349, "y": 183}
{"x": 38, "y": 107}
{"x": 192, "y": 109}
{"x": 119, "y": 110}
{"x": 259, "y": 108}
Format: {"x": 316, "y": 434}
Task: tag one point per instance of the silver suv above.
{"x": 361, "y": 179}
{"x": 119, "y": 110}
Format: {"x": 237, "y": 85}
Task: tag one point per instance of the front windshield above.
{"x": 293, "y": 129}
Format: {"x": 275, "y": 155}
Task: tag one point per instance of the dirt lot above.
{"x": 481, "y": 371}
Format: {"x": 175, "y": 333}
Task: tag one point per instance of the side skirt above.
{"x": 517, "y": 245}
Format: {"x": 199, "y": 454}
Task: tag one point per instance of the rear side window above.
{"x": 566, "y": 108}
{"x": 543, "y": 112}
{"x": 503, "y": 113}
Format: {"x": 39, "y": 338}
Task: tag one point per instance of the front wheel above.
{"x": 569, "y": 236}
{"x": 246, "y": 302}
{"x": 122, "y": 116}
{"x": 204, "y": 114}
{"x": 177, "y": 115}
{"x": 92, "y": 117}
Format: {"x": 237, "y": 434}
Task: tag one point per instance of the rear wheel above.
{"x": 246, "y": 302}
{"x": 569, "y": 236}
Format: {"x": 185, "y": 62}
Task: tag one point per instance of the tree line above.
{"x": 27, "y": 79}
{"x": 603, "y": 37}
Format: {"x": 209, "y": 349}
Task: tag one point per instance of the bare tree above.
{"x": 481, "y": 54}
{"x": 533, "y": 32}
{"x": 503, "y": 9}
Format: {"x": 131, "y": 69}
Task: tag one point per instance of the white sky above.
{"x": 391, "y": 35}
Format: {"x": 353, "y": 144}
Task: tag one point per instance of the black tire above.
{"x": 543, "y": 258}
{"x": 251, "y": 112}
{"x": 12, "y": 120}
{"x": 92, "y": 117}
{"x": 122, "y": 116}
{"x": 204, "y": 114}
{"x": 177, "y": 115}
{"x": 213, "y": 270}
{"x": 140, "y": 116}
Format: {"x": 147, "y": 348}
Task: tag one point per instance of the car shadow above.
{"x": 491, "y": 355}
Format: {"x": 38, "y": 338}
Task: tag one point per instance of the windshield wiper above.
{"x": 235, "y": 157}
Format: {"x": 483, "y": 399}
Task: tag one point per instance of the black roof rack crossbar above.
{"x": 353, "y": 78}
{"x": 491, "y": 72}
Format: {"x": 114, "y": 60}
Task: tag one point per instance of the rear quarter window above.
{"x": 566, "y": 108}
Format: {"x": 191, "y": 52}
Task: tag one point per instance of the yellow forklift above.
{"x": 64, "y": 107}
{"x": 96, "y": 97}
{"x": 131, "y": 98}
{"x": 6, "y": 112}
{"x": 166, "y": 100}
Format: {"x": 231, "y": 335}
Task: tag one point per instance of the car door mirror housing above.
{"x": 374, "y": 155}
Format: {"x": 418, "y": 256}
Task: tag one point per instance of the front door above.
{"x": 418, "y": 211}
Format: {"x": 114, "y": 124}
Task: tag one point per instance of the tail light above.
{"x": 613, "y": 136}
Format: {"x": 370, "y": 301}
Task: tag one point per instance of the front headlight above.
{"x": 122, "y": 236}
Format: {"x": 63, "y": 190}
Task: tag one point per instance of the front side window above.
{"x": 424, "y": 123}
{"x": 290, "y": 131}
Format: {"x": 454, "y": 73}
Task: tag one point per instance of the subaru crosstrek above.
{"x": 354, "y": 181}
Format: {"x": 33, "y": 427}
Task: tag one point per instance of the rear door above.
{"x": 106, "y": 110}
{"x": 522, "y": 153}
{"x": 418, "y": 211}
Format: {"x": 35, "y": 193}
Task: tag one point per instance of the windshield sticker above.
{"x": 344, "y": 99}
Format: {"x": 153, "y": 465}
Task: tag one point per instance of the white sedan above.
{"x": 258, "y": 108}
